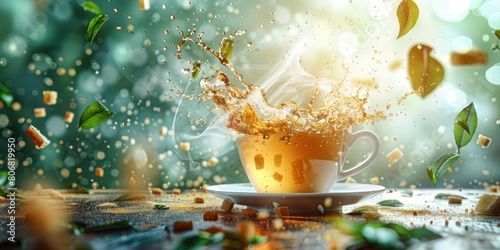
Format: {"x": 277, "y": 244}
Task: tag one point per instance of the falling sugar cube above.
{"x": 50, "y": 97}
{"x": 144, "y": 4}
{"x": 484, "y": 141}
{"x": 185, "y": 146}
{"x": 394, "y": 156}
{"x": 99, "y": 172}
{"x": 213, "y": 162}
{"x": 37, "y": 137}
{"x": 68, "y": 117}
{"x": 163, "y": 131}
{"x": 40, "y": 112}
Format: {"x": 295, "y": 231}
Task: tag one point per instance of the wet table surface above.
{"x": 38, "y": 220}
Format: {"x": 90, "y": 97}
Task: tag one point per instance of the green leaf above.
{"x": 196, "y": 240}
{"x": 407, "y": 16}
{"x": 226, "y": 48}
{"x": 3, "y": 177}
{"x": 131, "y": 197}
{"x": 93, "y": 115}
{"x": 161, "y": 207}
{"x": 92, "y": 7}
{"x": 257, "y": 239}
{"x": 465, "y": 125}
{"x": 423, "y": 234}
{"x": 76, "y": 227}
{"x": 390, "y": 203}
{"x": 440, "y": 166}
{"x": 443, "y": 196}
{"x": 5, "y": 95}
{"x": 425, "y": 72}
{"x": 196, "y": 70}
{"x": 95, "y": 25}
{"x": 497, "y": 33}
{"x": 114, "y": 226}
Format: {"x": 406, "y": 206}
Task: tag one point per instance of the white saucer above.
{"x": 298, "y": 203}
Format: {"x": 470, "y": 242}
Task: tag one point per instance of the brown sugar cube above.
{"x": 210, "y": 216}
{"x": 494, "y": 189}
{"x": 204, "y": 188}
{"x": 176, "y": 191}
{"x": 281, "y": 211}
{"x": 454, "y": 200}
{"x": 472, "y": 57}
{"x": 259, "y": 161}
{"x": 144, "y": 4}
{"x": 227, "y": 205}
{"x": 37, "y": 137}
{"x": 484, "y": 141}
{"x": 183, "y": 226}
{"x": 156, "y": 191}
{"x": 394, "y": 156}
{"x": 199, "y": 200}
{"x": 50, "y": 97}
{"x": 2, "y": 199}
{"x": 40, "y": 112}
{"x": 249, "y": 213}
{"x": 99, "y": 172}
{"x": 68, "y": 117}
{"x": 246, "y": 229}
{"x": 488, "y": 204}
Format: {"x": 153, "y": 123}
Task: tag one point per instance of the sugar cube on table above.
{"x": 281, "y": 211}
{"x": 210, "y": 216}
{"x": 182, "y": 226}
{"x": 227, "y": 205}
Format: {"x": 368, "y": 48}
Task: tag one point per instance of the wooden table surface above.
{"x": 152, "y": 228}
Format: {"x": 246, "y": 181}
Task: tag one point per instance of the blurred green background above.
{"x": 133, "y": 69}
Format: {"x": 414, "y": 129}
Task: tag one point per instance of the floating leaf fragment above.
{"x": 440, "y": 166}
{"x": 465, "y": 126}
{"x": 6, "y": 95}
{"x": 425, "y": 72}
{"x": 161, "y": 207}
{"x": 3, "y": 177}
{"x": 93, "y": 115}
{"x": 407, "y": 16}
{"x": 390, "y": 203}
{"x": 196, "y": 70}
{"x": 131, "y": 197}
{"x": 95, "y": 25}
{"x": 91, "y": 7}
{"x": 443, "y": 196}
{"x": 226, "y": 48}
{"x": 497, "y": 33}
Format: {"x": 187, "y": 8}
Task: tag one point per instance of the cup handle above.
{"x": 366, "y": 163}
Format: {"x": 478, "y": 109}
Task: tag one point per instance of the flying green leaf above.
{"x": 226, "y": 48}
{"x": 3, "y": 177}
{"x": 407, "y": 16}
{"x": 440, "y": 166}
{"x": 390, "y": 203}
{"x": 161, "y": 207}
{"x": 6, "y": 95}
{"x": 497, "y": 33}
{"x": 426, "y": 73}
{"x": 93, "y": 115}
{"x": 131, "y": 197}
{"x": 91, "y": 7}
{"x": 95, "y": 25}
{"x": 110, "y": 227}
{"x": 465, "y": 126}
{"x": 442, "y": 196}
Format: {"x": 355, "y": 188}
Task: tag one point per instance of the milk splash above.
{"x": 286, "y": 99}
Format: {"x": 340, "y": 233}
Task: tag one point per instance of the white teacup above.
{"x": 301, "y": 163}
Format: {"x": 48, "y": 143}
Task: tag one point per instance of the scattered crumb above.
{"x": 210, "y": 216}
{"x": 262, "y": 215}
{"x": 350, "y": 180}
{"x": 2, "y": 199}
{"x": 156, "y": 191}
{"x": 182, "y": 226}
{"x": 454, "y": 200}
{"x": 107, "y": 205}
{"x": 56, "y": 195}
{"x": 249, "y": 213}
{"x": 213, "y": 161}
{"x": 494, "y": 189}
{"x": 374, "y": 180}
{"x": 163, "y": 131}
{"x": 227, "y": 205}
{"x": 281, "y": 211}
{"x": 458, "y": 223}
{"x": 199, "y": 200}
{"x": 176, "y": 191}
{"x": 278, "y": 223}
